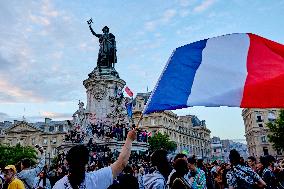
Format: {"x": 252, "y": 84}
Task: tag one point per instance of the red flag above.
{"x": 128, "y": 91}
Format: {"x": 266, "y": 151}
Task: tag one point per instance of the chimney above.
{"x": 47, "y": 120}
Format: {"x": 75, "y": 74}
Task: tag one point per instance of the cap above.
{"x": 11, "y": 167}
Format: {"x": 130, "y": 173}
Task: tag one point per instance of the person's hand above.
{"x": 132, "y": 135}
{"x": 191, "y": 179}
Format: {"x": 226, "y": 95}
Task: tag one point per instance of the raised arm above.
{"x": 34, "y": 172}
{"x": 93, "y": 32}
{"x": 41, "y": 163}
{"x": 124, "y": 155}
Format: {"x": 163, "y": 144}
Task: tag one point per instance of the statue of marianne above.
{"x": 107, "y": 53}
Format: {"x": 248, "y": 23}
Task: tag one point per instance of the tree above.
{"x": 11, "y": 155}
{"x": 160, "y": 141}
{"x": 277, "y": 132}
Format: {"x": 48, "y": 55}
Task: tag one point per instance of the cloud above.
{"x": 203, "y": 6}
{"x": 168, "y": 15}
{"x": 185, "y": 3}
{"x": 48, "y": 10}
{"x": 4, "y": 64}
{"x": 45, "y": 14}
{"x": 12, "y": 93}
{"x": 151, "y": 25}
{"x": 34, "y": 38}
{"x": 88, "y": 46}
{"x": 7, "y": 117}
{"x": 54, "y": 115}
{"x": 165, "y": 18}
{"x": 40, "y": 20}
{"x": 188, "y": 30}
{"x": 40, "y": 117}
{"x": 4, "y": 116}
{"x": 184, "y": 13}
{"x": 57, "y": 55}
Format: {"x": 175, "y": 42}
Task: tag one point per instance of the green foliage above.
{"x": 160, "y": 141}
{"x": 277, "y": 132}
{"x": 11, "y": 155}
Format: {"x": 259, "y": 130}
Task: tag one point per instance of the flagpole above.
{"x": 141, "y": 117}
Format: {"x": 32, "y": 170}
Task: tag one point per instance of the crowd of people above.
{"x": 101, "y": 131}
{"x": 95, "y": 166}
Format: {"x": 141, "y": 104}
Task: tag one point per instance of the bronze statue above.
{"x": 107, "y": 53}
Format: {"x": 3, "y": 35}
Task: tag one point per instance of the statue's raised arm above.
{"x": 90, "y": 26}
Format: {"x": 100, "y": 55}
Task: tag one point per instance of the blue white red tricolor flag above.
{"x": 238, "y": 70}
{"x": 128, "y": 91}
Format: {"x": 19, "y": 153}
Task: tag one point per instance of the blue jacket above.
{"x": 28, "y": 175}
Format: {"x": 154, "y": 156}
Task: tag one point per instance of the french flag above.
{"x": 237, "y": 70}
{"x": 128, "y": 91}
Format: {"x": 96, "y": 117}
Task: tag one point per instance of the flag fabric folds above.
{"x": 128, "y": 91}
{"x": 237, "y": 70}
{"x": 129, "y": 109}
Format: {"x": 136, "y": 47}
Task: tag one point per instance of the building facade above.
{"x": 49, "y": 134}
{"x": 256, "y": 131}
{"x": 220, "y": 149}
{"x": 217, "y": 151}
{"x": 188, "y": 131}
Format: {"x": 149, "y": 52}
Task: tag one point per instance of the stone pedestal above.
{"x": 106, "y": 107}
{"x": 105, "y": 101}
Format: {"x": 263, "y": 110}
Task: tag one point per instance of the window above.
{"x": 265, "y": 151}
{"x": 54, "y": 141}
{"x": 258, "y": 118}
{"x": 33, "y": 141}
{"x": 214, "y": 150}
{"x": 44, "y": 141}
{"x": 51, "y": 128}
{"x": 53, "y": 153}
{"x": 260, "y": 125}
{"x": 61, "y": 128}
{"x": 271, "y": 116}
{"x": 263, "y": 139}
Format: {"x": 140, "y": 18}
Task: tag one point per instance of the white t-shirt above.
{"x": 100, "y": 179}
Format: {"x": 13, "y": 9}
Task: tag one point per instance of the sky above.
{"x": 47, "y": 50}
